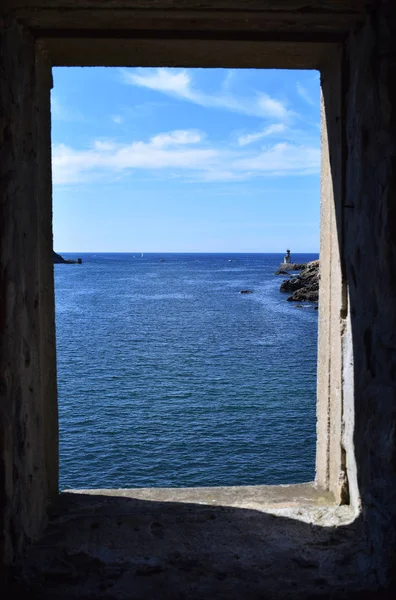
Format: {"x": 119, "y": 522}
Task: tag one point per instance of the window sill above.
{"x": 303, "y": 502}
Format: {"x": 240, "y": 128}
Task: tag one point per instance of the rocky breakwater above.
{"x": 284, "y": 267}
{"x": 304, "y": 287}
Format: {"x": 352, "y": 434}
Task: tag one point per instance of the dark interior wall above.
{"x": 28, "y": 420}
{"x": 369, "y": 253}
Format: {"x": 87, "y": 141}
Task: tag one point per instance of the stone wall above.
{"x": 28, "y": 418}
{"x": 330, "y": 471}
{"x": 369, "y": 256}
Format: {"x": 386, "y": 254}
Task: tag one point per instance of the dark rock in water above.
{"x": 292, "y": 266}
{"x": 246, "y": 292}
{"x": 291, "y": 285}
{"x": 311, "y": 272}
{"x": 281, "y": 272}
{"x": 59, "y": 260}
{"x": 304, "y": 295}
{"x": 306, "y": 306}
{"x": 304, "y": 286}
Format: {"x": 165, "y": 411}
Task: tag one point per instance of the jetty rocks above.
{"x": 290, "y": 267}
{"x": 304, "y": 287}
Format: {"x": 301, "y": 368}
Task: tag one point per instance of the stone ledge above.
{"x": 304, "y": 502}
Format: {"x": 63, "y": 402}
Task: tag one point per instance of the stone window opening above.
{"x": 258, "y": 468}
{"x": 343, "y": 527}
{"x": 333, "y": 432}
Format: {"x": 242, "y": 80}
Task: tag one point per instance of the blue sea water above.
{"x": 169, "y": 377}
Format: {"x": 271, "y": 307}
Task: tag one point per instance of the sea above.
{"x": 168, "y": 376}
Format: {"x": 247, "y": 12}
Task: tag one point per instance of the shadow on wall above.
{"x": 363, "y": 179}
{"x": 115, "y": 547}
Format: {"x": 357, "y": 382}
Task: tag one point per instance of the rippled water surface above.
{"x": 168, "y": 376}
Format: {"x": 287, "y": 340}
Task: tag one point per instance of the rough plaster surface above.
{"x": 28, "y": 423}
{"x": 335, "y": 449}
{"x": 294, "y": 16}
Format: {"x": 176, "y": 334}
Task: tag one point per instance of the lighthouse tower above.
{"x": 287, "y": 258}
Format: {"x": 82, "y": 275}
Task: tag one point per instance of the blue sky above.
{"x": 185, "y": 160}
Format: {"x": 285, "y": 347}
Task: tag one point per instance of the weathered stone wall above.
{"x": 28, "y": 417}
{"x": 369, "y": 256}
{"x": 330, "y": 470}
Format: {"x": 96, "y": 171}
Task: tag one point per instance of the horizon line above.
{"x": 180, "y": 252}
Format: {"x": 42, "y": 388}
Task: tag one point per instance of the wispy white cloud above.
{"x": 304, "y": 94}
{"x": 228, "y": 79}
{"x": 273, "y": 108}
{"x": 104, "y": 145}
{"x": 179, "y": 84}
{"x": 274, "y": 129}
{"x": 175, "y": 83}
{"x": 117, "y": 119}
{"x": 164, "y": 151}
{"x": 178, "y": 137}
{"x": 281, "y": 159}
{"x": 183, "y": 153}
{"x": 279, "y": 132}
